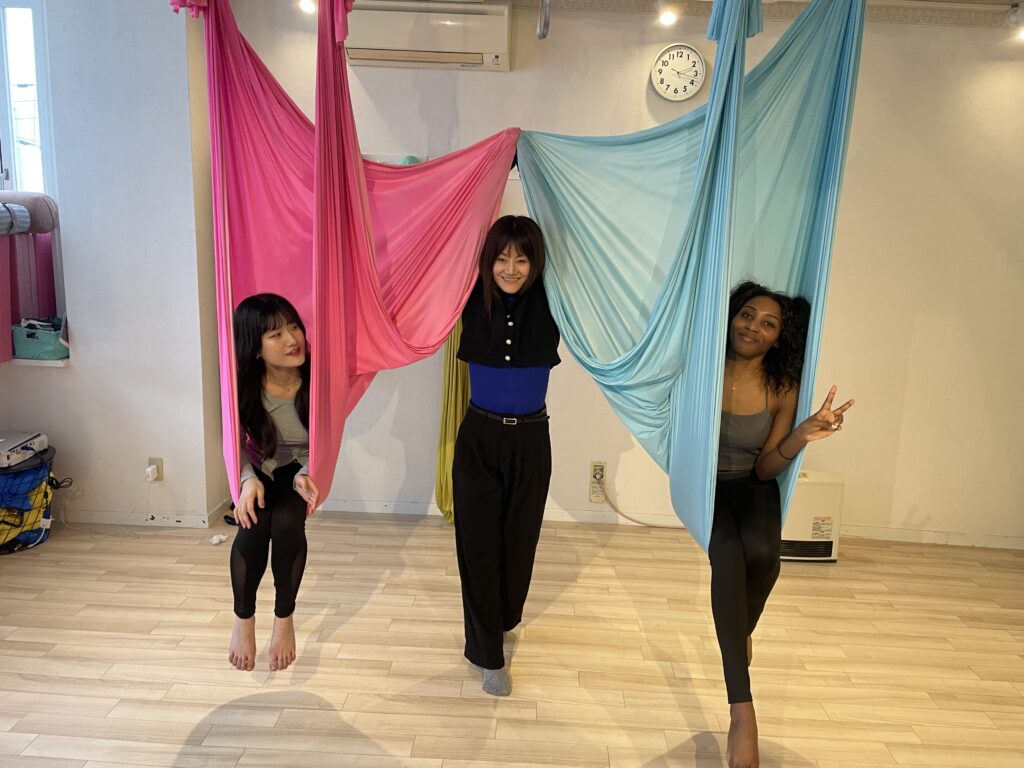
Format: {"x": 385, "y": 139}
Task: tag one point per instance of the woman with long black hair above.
{"x": 277, "y": 493}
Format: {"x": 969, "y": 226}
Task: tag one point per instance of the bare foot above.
{"x": 242, "y": 648}
{"x": 282, "y": 644}
{"x": 750, "y": 650}
{"x": 742, "y": 747}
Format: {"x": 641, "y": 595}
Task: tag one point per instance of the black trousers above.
{"x": 746, "y": 539}
{"x": 283, "y": 522}
{"x": 500, "y": 477}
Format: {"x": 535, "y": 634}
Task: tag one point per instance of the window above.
{"x": 25, "y": 146}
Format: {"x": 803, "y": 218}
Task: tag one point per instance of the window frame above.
{"x": 42, "y": 97}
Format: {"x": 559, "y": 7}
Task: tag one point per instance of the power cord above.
{"x": 610, "y": 501}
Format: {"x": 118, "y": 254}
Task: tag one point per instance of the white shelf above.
{"x": 43, "y": 363}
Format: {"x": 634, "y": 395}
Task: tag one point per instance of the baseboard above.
{"x": 421, "y": 508}
{"x": 952, "y": 538}
{"x": 557, "y": 514}
{"x": 219, "y": 511}
{"x": 152, "y": 519}
{"x": 155, "y": 519}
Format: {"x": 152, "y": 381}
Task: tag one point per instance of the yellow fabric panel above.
{"x": 454, "y": 402}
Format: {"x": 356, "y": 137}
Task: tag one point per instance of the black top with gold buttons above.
{"x": 521, "y": 335}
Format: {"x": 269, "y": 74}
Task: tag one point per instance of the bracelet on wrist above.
{"x": 784, "y": 456}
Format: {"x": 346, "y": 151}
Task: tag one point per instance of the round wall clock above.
{"x": 678, "y": 72}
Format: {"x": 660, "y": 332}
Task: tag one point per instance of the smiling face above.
{"x": 284, "y": 346}
{"x": 511, "y": 269}
{"x": 756, "y": 327}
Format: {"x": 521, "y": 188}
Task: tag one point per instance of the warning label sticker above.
{"x": 821, "y": 528}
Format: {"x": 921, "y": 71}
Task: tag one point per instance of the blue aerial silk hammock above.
{"x": 647, "y": 232}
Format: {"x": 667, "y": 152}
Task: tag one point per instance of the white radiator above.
{"x": 811, "y": 532}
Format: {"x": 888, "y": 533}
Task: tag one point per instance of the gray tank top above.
{"x": 292, "y": 438}
{"x": 741, "y": 440}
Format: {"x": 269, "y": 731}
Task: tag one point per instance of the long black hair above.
{"x": 525, "y": 235}
{"x": 783, "y": 365}
{"x": 255, "y": 316}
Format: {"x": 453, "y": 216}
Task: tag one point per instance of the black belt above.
{"x": 511, "y": 421}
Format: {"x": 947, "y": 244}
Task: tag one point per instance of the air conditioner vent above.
{"x": 423, "y": 33}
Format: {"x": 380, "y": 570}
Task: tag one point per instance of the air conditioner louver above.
{"x": 423, "y": 33}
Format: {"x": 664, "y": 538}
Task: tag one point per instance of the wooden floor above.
{"x": 112, "y": 653}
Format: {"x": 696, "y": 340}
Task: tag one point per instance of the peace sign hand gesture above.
{"x": 826, "y": 422}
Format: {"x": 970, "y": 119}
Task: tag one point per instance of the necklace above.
{"x": 736, "y": 380}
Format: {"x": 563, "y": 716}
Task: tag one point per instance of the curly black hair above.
{"x": 783, "y": 366}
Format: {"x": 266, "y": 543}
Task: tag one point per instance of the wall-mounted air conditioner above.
{"x": 811, "y": 532}
{"x": 425, "y": 33}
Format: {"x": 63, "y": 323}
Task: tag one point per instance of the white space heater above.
{"x": 811, "y": 532}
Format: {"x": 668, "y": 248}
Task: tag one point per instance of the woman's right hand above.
{"x": 826, "y": 422}
{"x": 249, "y": 496}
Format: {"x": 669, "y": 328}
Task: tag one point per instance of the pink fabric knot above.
{"x": 341, "y": 9}
{"x": 193, "y": 6}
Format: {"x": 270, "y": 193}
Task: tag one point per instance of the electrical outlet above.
{"x": 598, "y": 471}
{"x": 159, "y": 464}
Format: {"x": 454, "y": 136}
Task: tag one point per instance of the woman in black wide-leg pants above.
{"x": 502, "y": 462}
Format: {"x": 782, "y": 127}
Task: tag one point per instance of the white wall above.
{"x": 134, "y": 388}
{"x": 921, "y": 326}
{"x": 921, "y": 320}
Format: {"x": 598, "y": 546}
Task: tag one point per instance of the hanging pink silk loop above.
{"x": 341, "y": 9}
{"x": 378, "y": 259}
{"x": 193, "y": 6}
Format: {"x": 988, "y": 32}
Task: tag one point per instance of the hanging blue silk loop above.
{"x": 720, "y": 10}
{"x": 648, "y": 231}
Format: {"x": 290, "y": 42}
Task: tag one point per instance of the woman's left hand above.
{"x": 306, "y": 488}
{"x": 826, "y": 422}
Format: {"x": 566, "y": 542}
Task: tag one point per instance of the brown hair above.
{"x": 525, "y": 235}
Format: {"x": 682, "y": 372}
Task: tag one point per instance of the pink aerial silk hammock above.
{"x": 378, "y": 259}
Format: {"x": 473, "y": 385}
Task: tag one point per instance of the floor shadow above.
{"x": 283, "y": 727}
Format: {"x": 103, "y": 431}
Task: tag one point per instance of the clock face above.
{"x": 678, "y": 72}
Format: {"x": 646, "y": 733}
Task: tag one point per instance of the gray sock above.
{"x": 497, "y": 682}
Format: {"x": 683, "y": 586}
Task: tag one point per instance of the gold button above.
{"x": 507, "y": 358}
{"x": 510, "y": 323}
{"x": 508, "y": 341}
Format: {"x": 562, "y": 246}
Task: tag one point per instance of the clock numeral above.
{"x": 692, "y": 82}
{"x": 676, "y": 91}
{"x": 661, "y": 81}
{"x": 664, "y": 62}
{"x": 660, "y": 71}
{"x": 684, "y": 89}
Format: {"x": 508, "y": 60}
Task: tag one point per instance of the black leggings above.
{"x": 500, "y": 476}
{"x": 283, "y": 521}
{"x": 744, "y": 551}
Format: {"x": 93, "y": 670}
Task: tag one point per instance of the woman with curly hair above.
{"x": 763, "y": 364}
